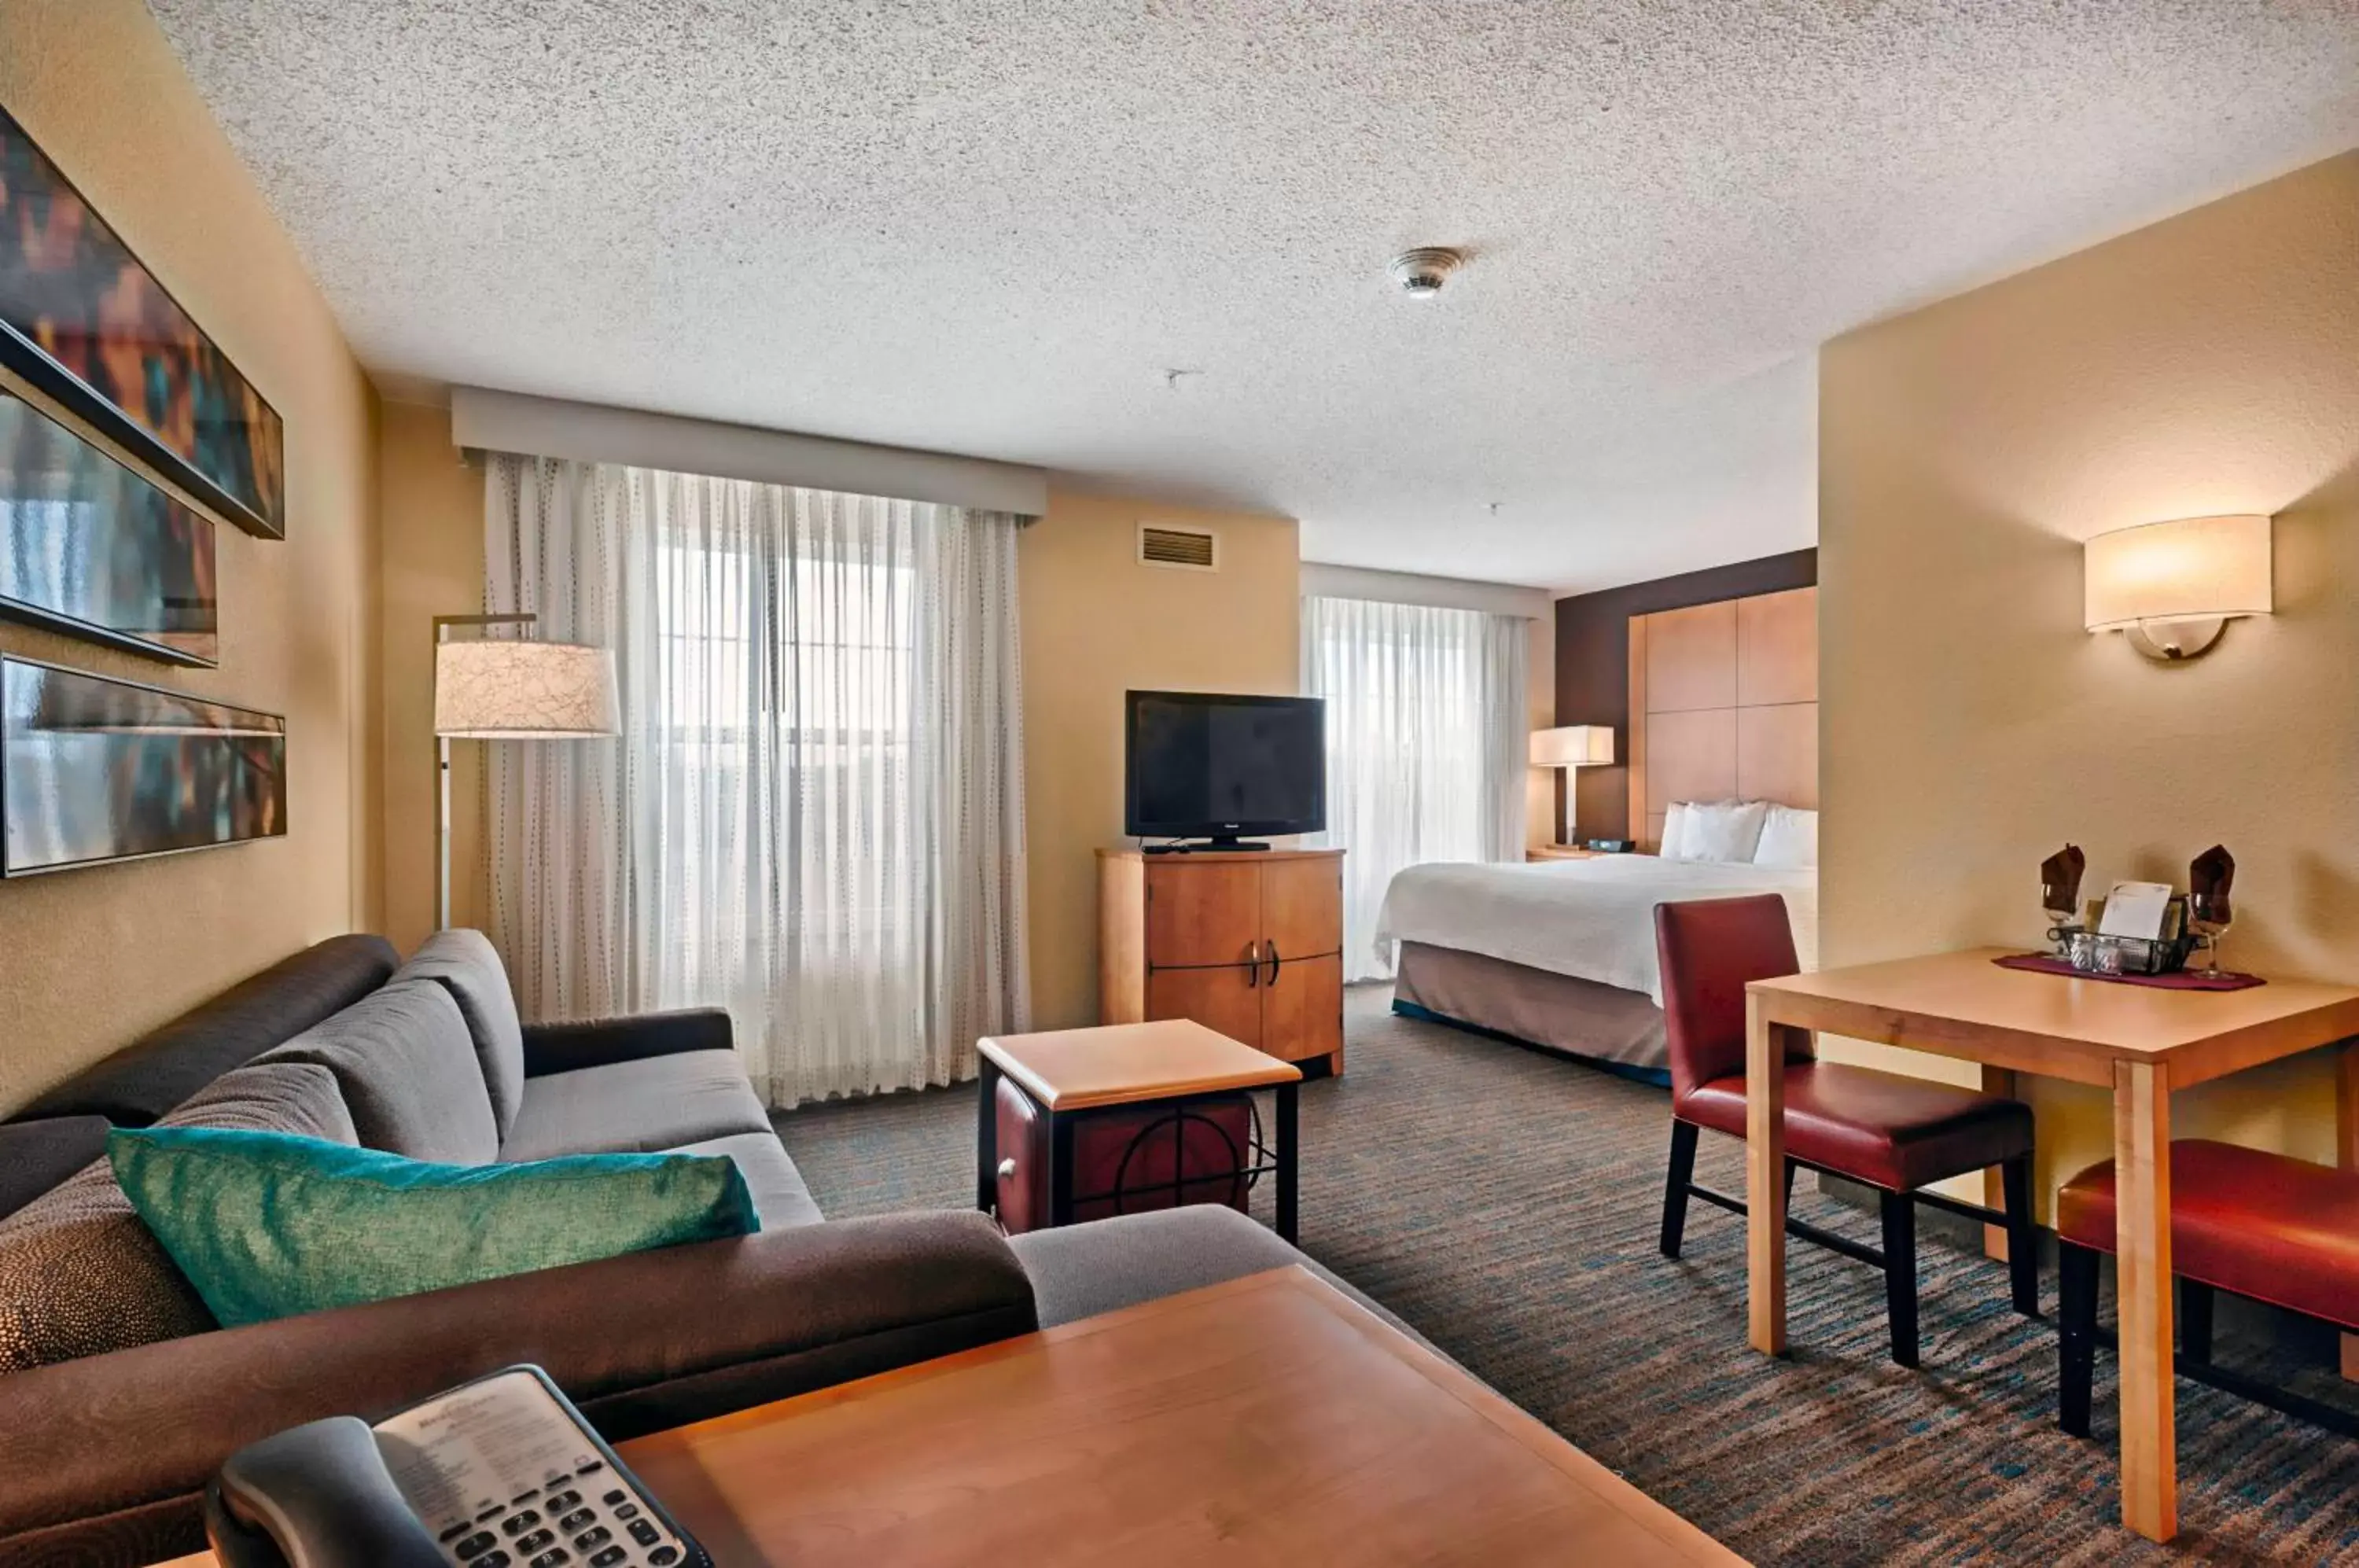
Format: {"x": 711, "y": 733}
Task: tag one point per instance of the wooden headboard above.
{"x": 1724, "y": 705}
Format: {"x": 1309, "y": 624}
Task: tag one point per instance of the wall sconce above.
{"x": 1572, "y": 746}
{"x": 2172, "y": 587}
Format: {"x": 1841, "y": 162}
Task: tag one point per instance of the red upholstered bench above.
{"x": 2252, "y": 1224}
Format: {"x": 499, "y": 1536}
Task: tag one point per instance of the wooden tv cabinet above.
{"x": 1249, "y": 943}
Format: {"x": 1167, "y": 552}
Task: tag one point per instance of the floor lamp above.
{"x": 509, "y": 689}
{"x": 1570, "y": 748}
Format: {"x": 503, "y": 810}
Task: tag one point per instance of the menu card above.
{"x": 2137, "y": 910}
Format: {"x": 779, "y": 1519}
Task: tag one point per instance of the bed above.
{"x": 1561, "y": 953}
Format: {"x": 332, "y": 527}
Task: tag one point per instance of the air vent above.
{"x": 1195, "y": 549}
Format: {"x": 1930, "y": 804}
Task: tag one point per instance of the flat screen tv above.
{"x": 1202, "y": 765}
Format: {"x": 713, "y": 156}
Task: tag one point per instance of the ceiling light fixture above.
{"x": 1421, "y": 272}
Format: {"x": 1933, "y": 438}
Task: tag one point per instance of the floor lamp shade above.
{"x": 517, "y": 690}
{"x": 510, "y": 689}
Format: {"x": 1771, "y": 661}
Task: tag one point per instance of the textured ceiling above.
{"x": 996, "y": 227}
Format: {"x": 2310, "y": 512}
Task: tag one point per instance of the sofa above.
{"x": 127, "y": 1395}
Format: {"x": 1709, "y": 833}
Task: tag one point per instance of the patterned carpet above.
{"x": 1506, "y": 1204}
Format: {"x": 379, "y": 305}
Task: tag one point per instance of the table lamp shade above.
{"x": 504, "y": 689}
{"x": 1572, "y": 746}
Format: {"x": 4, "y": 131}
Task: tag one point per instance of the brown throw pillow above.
{"x": 82, "y": 1275}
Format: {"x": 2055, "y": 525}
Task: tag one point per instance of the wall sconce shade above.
{"x": 2172, "y": 586}
{"x": 1572, "y": 746}
{"x": 514, "y": 689}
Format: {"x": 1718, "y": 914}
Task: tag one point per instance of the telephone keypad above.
{"x": 582, "y": 1512}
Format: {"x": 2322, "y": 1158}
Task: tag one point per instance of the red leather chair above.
{"x": 2254, "y": 1224}
{"x": 1891, "y": 1132}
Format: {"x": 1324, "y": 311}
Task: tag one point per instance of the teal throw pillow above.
{"x": 267, "y": 1224}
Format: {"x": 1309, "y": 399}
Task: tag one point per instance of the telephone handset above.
{"x": 499, "y": 1472}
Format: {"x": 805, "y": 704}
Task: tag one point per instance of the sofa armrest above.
{"x": 105, "y": 1458}
{"x": 601, "y": 1042}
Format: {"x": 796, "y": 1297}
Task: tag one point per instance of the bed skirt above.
{"x": 1602, "y": 1026}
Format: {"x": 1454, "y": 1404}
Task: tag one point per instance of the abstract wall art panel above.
{"x": 88, "y": 547}
{"x": 84, "y": 323}
{"x": 93, "y": 770}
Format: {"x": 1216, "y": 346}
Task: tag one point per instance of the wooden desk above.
{"x": 2138, "y": 1041}
{"x": 1269, "y": 1419}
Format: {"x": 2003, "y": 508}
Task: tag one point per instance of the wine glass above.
{"x": 2209, "y": 916}
{"x": 2056, "y": 903}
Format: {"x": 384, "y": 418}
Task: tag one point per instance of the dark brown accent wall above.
{"x": 1593, "y": 662}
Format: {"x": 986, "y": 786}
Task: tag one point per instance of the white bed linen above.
{"x": 1594, "y": 919}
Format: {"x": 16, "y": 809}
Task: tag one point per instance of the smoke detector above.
{"x": 1421, "y": 272}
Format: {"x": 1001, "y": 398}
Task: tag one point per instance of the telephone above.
{"x": 498, "y": 1473}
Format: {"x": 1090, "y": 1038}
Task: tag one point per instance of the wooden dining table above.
{"x": 2139, "y": 1042}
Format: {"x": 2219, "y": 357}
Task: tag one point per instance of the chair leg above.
{"x": 1676, "y": 1184}
{"x": 2195, "y": 1321}
{"x": 1901, "y": 1273}
{"x": 2076, "y": 1337}
{"x": 2022, "y": 1236}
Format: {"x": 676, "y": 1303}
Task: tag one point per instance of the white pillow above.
{"x": 1675, "y": 823}
{"x": 1789, "y": 838}
{"x": 1726, "y": 831}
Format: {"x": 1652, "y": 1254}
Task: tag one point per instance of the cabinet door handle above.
{"x": 1253, "y": 964}
{"x": 1273, "y": 963}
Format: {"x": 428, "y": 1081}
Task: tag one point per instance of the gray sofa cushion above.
{"x": 463, "y": 963}
{"x": 407, "y": 1066}
{"x": 657, "y": 1103}
{"x": 36, "y": 1155}
{"x": 80, "y": 1274}
{"x": 1080, "y": 1270}
{"x": 780, "y": 1196}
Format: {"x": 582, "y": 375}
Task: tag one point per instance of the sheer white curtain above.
{"x": 1426, "y": 748}
{"x": 815, "y": 814}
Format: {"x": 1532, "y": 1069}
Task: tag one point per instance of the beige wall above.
{"x": 1096, "y": 624}
{"x": 432, "y": 501}
{"x": 2207, "y": 364}
{"x": 88, "y": 958}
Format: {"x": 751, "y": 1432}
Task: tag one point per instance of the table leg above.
{"x": 2346, "y": 1154}
{"x": 1764, "y": 1179}
{"x": 1289, "y": 1161}
{"x": 987, "y": 1137}
{"x": 2141, "y": 1228}
{"x": 1060, "y": 1167}
{"x": 1997, "y": 1081}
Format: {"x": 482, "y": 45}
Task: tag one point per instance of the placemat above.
{"x": 2177, "y": 980}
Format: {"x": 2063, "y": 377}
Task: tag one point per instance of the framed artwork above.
{"x": 91, "y": 549}
{"x": 83, "y": 322}
{"x": 93, "y": 771}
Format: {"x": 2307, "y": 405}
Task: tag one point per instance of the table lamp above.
{"x": 1569, "y": 747}
{"x": 510, "y": 689}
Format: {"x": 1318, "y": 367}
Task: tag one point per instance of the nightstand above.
{"x": 1560, "y": 851}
